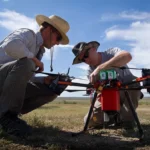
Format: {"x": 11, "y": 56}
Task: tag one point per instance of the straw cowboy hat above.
{"x": 80, "y": 49}
{"x": 57, "y": 22}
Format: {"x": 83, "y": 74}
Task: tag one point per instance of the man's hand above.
{"x": 38, "y": 64}
{"x": 48, "y": 79}
{"x": 94, "y": 75}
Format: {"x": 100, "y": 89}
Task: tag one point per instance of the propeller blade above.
{"x": 123, "y": 67}
{"x": 55, "y": 75}
{"x": 86, "y": 95}
{"x": 50, "y": 74}
{"x": 78, "y": 78}
{"x": 75, "y": 90}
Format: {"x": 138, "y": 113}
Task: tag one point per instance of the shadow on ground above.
{"x": 54, "y": 138}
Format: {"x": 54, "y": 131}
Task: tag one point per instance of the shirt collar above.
{"x": 39, "y": 40}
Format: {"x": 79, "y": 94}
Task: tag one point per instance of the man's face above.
{"x": 53, "y": 38}
{"x": 89, "y": 56}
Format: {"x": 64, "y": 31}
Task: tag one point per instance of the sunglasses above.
{"x": 86, "y": 55}
{"x": 59, "y": 37}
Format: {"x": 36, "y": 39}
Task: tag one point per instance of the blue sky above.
{"x": 113, "y": 23}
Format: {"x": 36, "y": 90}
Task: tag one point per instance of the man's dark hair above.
{"x": 45, "y": 25}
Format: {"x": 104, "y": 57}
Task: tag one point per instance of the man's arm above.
{"x": 120, "y": 59}
{"x": 17, "y": 49}
{"x": 17, "y": 46}
{"x": 38, "y": 64}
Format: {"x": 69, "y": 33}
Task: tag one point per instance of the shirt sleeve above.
{"x": 17, "y": 49}
{"x": 17, "y": 45}
{"x": 110, "y": 53}
{"x": 113, "y": 51}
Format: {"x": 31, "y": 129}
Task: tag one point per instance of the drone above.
{"x": 107, "y": 86}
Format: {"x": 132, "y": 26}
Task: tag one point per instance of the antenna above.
{"x": 68, "y": 71}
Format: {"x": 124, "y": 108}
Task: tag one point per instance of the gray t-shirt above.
{"x": 123, "y": 75}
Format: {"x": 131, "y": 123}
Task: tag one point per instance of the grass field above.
{"x": 53, "y": 123}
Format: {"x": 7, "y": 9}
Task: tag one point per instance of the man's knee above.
{"x": 24, "y": 67}
{"x": 33, "y": 103}
{"x": 27, "y": 64}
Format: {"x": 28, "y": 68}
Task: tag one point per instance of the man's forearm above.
{"x": 35, "y": 60}
{"x": 38, "y": 64}
{"x": 120, "y": 60}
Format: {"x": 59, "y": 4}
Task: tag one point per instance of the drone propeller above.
{"x": 86, "y": 95}
{"x": 55, "y": 75}
{"x": 74, "y": 90}
{"x": 123, "y": 67}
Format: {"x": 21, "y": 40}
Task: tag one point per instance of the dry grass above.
{"x": 53, "y": 123}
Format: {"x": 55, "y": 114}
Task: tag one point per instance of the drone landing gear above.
{"x": 89, "y": 116}
{"x": 141, "y": 133}
{"x": 85, "y": 129}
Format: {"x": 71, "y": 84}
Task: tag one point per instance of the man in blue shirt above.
{"x": 20, "y": 55}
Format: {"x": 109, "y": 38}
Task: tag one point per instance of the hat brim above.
{"x": 76, "y": 60}
{"x": 41, "y": 18}
{"x": 95, "y": 44}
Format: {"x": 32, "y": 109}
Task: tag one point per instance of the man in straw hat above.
{"x": 97, "y": 61}
{"x": 20, "y": 55}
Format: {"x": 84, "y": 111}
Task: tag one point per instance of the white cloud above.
{"x": 83, "y": 66}
{"x": 136, "y": 32}
{"x": 12, "y": 20}
{"x": 55, "y": 49}
{"x": 47, "y": 55}
{"x": 126, "y": 15}
{"x": 5, "y": 0}
{"x": 134, "y": 15}
{"x": 64, "y": 46}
